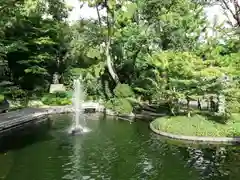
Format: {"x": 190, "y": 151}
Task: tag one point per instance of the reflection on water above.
{"x": 115, "y": 150}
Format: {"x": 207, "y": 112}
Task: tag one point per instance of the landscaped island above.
{"x": 197, "y": 125}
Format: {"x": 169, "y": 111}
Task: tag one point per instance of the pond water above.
{"x": 114, "y": 150}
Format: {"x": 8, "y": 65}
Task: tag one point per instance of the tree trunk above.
{"x": 109, "y": 63}
{"x": 199, "y": 104}
{"x": 99, "y": 18}
{"x": 108, "y": 44}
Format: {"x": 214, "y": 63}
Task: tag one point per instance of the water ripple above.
{"x": 116, "y": 150}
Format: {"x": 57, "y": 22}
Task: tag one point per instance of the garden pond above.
{"x": 112, "y": 150}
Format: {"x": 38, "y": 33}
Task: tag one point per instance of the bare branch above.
{"x": 226, "y": 6}
{"x": 237, "y": 11}
{"x": 99, "y": 18}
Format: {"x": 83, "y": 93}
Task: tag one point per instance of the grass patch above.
{"x": 198, "y": 125}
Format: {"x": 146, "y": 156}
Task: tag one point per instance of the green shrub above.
{"x": 14, "y": 92}
{"x": 123, "y": 91}
{"x": 1, "y": 98}
{"x": 121, "y": 106}
{"x": 64, "y": 101}
{"x": 60, "y": 94}
{"x": 233, "y": 106}
{"x": 55, "y": 100}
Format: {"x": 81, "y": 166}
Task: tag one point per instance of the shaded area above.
{"x": 22, "y": 137}
{"x": 18, "y": 114}
{"x": 19, "y": 119}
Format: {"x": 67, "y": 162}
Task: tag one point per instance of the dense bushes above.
{"x": 14, "y": 92}
{"x": 182, "y": 75}
{"x": 123, "y": 91}
{"x": 120, "y": 103}
{"x": 58, "y": 98}
{"x": 120, "y": 106}
{"x": 160, "y": 66}
{"x": 233, "y": 99}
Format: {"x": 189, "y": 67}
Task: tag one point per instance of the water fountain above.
{"x": 77, "y": 102}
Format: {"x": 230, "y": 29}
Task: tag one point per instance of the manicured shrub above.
{"x": 55, "y": 99}
{"x": 123, "y": 91}
{"x": 121, "y": 106}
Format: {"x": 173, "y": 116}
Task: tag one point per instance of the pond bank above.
{"x": 18, "y": 118}
{"x": 197, "y": 128}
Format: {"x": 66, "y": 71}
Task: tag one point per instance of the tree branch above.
{"x": 108, "y": 45}
{"x": 99, "y": 18}
{"x": 226, "y": 6}
{"x": 237, "y": 11}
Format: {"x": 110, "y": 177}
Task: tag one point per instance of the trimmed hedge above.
{"x": 120, "y": 106}
{"x": 123, "y": 91}
{"x": 57, "y": 98}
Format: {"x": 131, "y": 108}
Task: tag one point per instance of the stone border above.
{"x": 41, "y": 112}
{"x": 196, "y": 138}
{"x": 57, "y": 110}
{"x": 69, "y": 109}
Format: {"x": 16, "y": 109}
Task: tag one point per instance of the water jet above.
{"x": 77, "y": 102}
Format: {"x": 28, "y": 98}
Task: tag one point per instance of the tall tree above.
{"x": 33, "y": 39}
{"x": 111, "y": 7}
{"x": 177, "y": 23}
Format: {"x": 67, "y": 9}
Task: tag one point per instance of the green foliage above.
{"x": 1, "y": 98}
{"x": 133, "y": 39}
{"x": 233, "y": 99}
{"x": 58, "y": 98}
{"x": 34, "y": 45}
{"x": 233, "y": 106}
{"x": 14, "y": 92}
{"x": 178, "y": 23}
{"x": 183, "y": 75}
{"x": 119, "y": 105}
{"x": 175, "y": 74}
{"x": 123, "y": 91}
{"x": 198, "y": 126}
{"x": 145, "y": 49}
{"x": 90, "y": 78}
{"x": 61, "y": 94}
